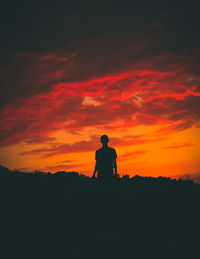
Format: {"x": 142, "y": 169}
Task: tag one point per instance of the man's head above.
{"x": 104, "y": 139}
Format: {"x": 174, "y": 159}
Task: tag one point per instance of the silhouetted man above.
{"x": 105, "y": 161}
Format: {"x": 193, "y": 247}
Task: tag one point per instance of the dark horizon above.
{"x": 185, "y": 178}
{"x": 72, "y": 216}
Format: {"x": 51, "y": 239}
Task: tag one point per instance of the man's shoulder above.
{"x": 99, "y": 150}
{"x": 113, "y": 152}
{"x": 111, "y": 149}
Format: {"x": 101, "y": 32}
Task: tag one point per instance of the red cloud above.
{"x": 133, "y": 154}
{"x": 91, "y": 145}
{"x": 138, "y": 96}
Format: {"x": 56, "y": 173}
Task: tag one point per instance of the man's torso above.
{"x": 105, "y": 157}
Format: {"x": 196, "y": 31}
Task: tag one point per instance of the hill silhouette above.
{"x": 69, "y": 215}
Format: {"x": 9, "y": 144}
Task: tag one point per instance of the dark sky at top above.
{"x": 39, "y": 26}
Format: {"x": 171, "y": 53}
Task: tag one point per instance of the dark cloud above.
{"x": 40, "y": 139}
{"x": 185, "y": 111}
{"x": 42, "y": 44}
{"x": 44, "y": 27}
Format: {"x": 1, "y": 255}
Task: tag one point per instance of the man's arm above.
{"x": 115, "y": 165}
{"x": 95, "y": 170}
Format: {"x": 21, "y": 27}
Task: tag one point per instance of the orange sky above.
{"x": 149, "y": 116}
{"x": 172, "y": 155}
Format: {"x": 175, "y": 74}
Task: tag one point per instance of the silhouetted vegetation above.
{"x": 69, "y": 215}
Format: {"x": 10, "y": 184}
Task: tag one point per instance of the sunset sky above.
{"x": 74, "y": 70}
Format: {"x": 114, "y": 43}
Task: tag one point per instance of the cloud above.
{"x": 175, "y": 146}
{"x": 40, "y": 139}
{"x": 133, "y": 154}
{"x": 135, "y": 97}
{"x": 91, "y": 145}
{"x": 65, "y": 161}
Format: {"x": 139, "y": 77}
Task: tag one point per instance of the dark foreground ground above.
{"x": 70, "y": 216}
